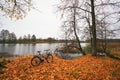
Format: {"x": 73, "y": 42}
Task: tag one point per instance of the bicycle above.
{"x": 40, "y": 58}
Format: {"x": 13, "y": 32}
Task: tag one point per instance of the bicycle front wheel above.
{"x": 35, "y": 61}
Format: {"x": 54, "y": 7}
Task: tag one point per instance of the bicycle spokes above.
{"x": 35, "y": 61}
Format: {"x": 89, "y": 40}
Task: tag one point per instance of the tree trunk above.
{"x": 94, "y": 41}
{"x": 90, "y": 30}
{"x": 77, "y": 38}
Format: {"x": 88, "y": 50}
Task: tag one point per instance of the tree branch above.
{"x": 106, "y": 4}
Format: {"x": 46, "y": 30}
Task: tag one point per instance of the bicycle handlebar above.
{"x": 47, "y": 50}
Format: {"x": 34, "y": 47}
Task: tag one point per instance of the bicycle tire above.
{"x": 49, "y": 58}
{"x": 35, "y": 61}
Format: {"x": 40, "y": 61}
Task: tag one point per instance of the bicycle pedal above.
{"x": 41, "y": 60}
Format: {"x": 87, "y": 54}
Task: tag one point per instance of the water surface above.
{"x": 21, "y": 49}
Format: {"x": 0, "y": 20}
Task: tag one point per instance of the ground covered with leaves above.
{"x": 82, "y": 68}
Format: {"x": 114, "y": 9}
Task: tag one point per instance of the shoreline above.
{"x": 7, "y": 55}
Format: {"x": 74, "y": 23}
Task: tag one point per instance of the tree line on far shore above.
{"x": 7, "y": 37}
{"x": 10, "y": 37}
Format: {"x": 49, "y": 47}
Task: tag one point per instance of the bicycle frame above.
{"x": 40, "y": 58}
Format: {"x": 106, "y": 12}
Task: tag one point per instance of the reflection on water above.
{"x": 25, "y": 49}
{"x": 7, "y": 48}
{"x": 20, "y": 49}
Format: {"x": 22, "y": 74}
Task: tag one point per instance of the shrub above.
{"x": 88, "y": 48}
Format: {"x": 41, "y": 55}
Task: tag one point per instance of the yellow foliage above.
{"x": 10, "y": 0}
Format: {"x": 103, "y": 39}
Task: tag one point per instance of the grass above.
{"x": 112, "y": 47}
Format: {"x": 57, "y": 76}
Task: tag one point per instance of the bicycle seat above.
{"x": 39, "y": 52}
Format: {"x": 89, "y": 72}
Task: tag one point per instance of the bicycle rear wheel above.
{"x": 49, "y": 58}
{"x": 35, "y": 61}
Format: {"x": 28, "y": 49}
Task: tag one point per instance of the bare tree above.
{"x": 103, "y": 33}
{"x": 107, "y": 16}
{"x": 91, "y": 11}
{"x": 71, "y": 18}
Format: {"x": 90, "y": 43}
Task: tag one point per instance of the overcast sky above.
{"x": 43, "y": 24}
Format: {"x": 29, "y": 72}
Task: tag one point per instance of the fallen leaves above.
{"x": 83, "y": 68}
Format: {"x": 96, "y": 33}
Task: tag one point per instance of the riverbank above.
{"x": 6, "y": 56}
{"x": 82, "y": 68}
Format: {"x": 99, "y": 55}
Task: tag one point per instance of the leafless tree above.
{"x": 71, "y": 20}
{"x": 92, "y": 11}
{"x": 103, "y": 33}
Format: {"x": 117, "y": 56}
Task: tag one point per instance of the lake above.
{"x": 21, "y": 49}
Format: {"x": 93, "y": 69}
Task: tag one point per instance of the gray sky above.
{"x": 43, "y": 24}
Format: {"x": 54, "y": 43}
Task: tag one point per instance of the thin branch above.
{"x": 106, "y": 4}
